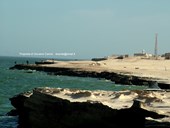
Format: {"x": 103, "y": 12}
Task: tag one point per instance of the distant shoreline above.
{"x": 129, "y": 71}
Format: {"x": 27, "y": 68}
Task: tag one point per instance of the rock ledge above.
{"x": 65, "y": 108}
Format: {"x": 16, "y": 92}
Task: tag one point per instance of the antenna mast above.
{"x": 156, "y": 45}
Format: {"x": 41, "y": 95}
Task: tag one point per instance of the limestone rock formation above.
{"x": 65, "y": 108}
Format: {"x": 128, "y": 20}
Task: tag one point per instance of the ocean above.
{"x": 13, "y": 82}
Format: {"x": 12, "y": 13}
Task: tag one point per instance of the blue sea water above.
{"x": 13, "y": 82}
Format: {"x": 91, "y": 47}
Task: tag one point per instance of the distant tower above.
{"x": 156, "y": 45}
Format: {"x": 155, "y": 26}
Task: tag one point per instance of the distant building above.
{"x": 140, "y": 54}
{"x": 143, "y": 54}
{"x": 99, "y": 59}
{"x": 167, "y": 56}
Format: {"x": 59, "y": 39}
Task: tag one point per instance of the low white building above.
{"x": 143, "y": 55}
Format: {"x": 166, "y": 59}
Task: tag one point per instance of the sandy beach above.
{"x": 151, "y": 68}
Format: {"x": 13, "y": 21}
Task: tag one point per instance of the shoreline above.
{"x": 43, "y": 104}
{"x": 129, "y": 71}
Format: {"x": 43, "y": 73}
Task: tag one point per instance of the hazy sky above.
{"x": 88, "y": 28}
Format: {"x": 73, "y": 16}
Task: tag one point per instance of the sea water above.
{"x": 13, "y": 82}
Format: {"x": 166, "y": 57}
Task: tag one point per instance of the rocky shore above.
{"x": 95, "y": 69}
{"x": 66, "y": 108}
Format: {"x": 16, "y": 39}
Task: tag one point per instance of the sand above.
{"x": 158, "y": 69}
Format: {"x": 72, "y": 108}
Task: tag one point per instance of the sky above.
{"x": 83, "y": 28}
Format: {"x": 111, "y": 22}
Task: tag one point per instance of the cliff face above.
{"x": 62, "y": 108}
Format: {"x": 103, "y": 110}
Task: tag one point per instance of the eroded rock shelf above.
{"x": 66, "y": 108}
